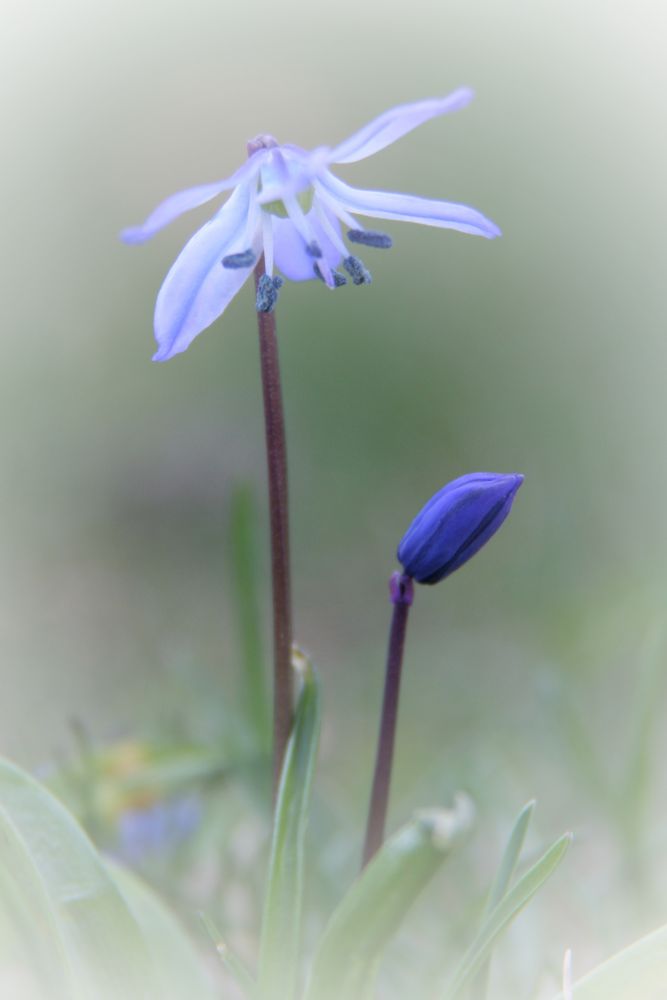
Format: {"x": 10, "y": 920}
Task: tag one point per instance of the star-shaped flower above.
{"x": 288, "y": 205}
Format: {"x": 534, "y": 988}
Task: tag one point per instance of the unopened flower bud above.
{"x": 456, "y": 523}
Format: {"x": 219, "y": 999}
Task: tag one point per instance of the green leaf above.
{"x": 510, "y": 858}
{"x": 54, "y": 883}
{"x": 231, "y": 961}
{"x": 243, "y": 561}
{"x": 30, "y": 936}
{"x": 504, "y": 913}
{"x": 639, "y": 972}
{"x": 376, "y": 904}
{"x": 508, "y": 863}
{"x": 179, "y": 968}
{"x": 281, "y": 924}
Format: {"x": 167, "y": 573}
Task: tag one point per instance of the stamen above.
{"x": 331, "y": 232}
{"x": 357, "y": 271}
{"x": 303, "y": 228}
{"x": 267, "y": 240}
{"x": 335, "y": 207}
{"x": 338, "y": 278}
{"x": 267, "y": 293}
{"x": 371, "y": 238}
{"x": 234, "y": 261}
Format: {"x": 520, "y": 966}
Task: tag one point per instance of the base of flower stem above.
{"x": 401, "y": 592}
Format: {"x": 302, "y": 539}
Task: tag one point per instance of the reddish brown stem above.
{"x": 276, "y": 456}
{"x": 401, "y": 595}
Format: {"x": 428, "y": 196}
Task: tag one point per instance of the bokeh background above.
{"x": 536, "y": 671}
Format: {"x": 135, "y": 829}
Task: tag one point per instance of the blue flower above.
{"x": 286, "y": 204}
{"x": 456, "y": 523}
{"x": 156, "y": 827}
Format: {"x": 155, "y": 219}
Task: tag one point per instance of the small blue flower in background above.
{"x": 456, "y": 523}
{"x": 286, "y": 204}
{"x": 147, "y": 830}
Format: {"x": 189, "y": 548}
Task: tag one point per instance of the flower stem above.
{"x": 242, "y": 551}
{"x": 276, "y": 456}
{"x": 401, "y": 592}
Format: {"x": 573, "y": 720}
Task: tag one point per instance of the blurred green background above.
{"x": 543, "y": 352}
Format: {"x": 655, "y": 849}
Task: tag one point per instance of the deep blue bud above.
{"x": 456, "y": 523}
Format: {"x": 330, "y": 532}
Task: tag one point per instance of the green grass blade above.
{"x": 281, "y": 925}
{"x": 501, "y": 883}
{"x": 376, "y": 904}
{"x": 639, "y": 972}
{"x": 231, "y": 961}
{"x": 243, "y": 559}
{"x": 510, "y": 858}
{"x": 504, "y": 913}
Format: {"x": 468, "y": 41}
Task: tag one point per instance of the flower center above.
{"x": 284, "y": 174}
{"x": 305, "y": 199}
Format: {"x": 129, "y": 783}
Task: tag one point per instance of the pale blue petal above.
{"x": 409, "y": 208}
{"x": 198, "y": 288}
{"x": 183, "y": 201}
{"x": 394, "y": 124}
{"x": 289, "y": 247}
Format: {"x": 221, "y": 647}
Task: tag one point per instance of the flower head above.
{"x": 286, "y": 204}
{"x": 456, "y": 523}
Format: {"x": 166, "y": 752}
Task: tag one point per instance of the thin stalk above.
{"x": 243, "y": 560}
{"x": 401, "y": 592}
{"x": 276, "y": 457}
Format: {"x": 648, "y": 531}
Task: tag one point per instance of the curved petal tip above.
{"x": 134, "y": 235}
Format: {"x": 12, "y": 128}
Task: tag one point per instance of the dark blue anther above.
{"x": 338, "y": 278}
{"x": 370, "y": 238}
{"x": 234, "y": 261}
{"x": 314, "y": 249}
{"x": 359, "y": 274}
{"x": 267, "y": 293}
